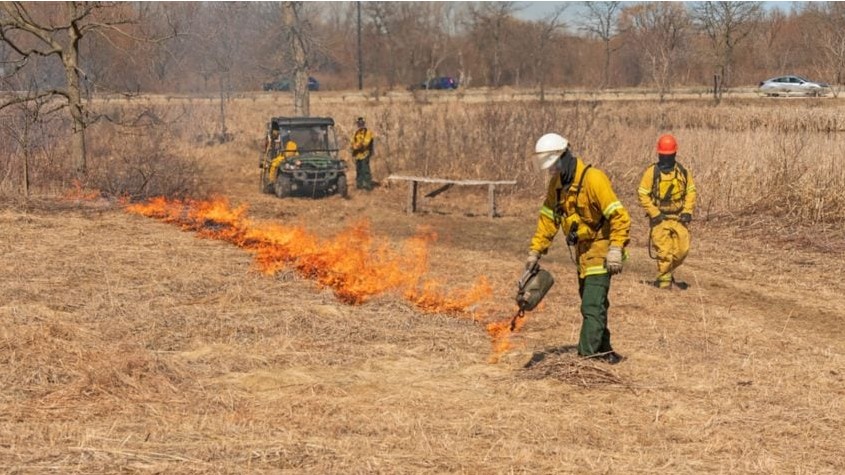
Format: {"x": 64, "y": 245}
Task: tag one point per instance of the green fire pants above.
{"x": 595, "y": 337}
{"x": 363, "y": 177}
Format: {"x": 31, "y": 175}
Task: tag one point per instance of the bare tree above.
{"x": 22, "y": 126}
{"x": 411, "y": 41}
{"x": 299, "y": 41}
{"x": 382, "y": 16}
{"x": 167, "y": 60}
{"x": 489, "y": 21}
{"x": 777, "y": 48}
{"x": 726, "y": 24}
{"x": 45, "y": 31}
{"x": 437, "y": 18}
{"x": 659, "y": 30}
{"x": 219, "y": 46}
{"x": 547, "y": 28}
{"x": 828, "y": 36}
{"x": 601, "y": 20}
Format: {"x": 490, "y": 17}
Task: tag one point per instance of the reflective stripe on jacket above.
{"x": 675, "y": 192}
{"x": 606, "y": 222}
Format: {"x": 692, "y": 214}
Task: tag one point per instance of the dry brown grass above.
{"x": 129, "y": 345}
{"x": 760, "y": 157}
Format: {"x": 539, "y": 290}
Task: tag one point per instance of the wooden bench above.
{"x": 414, "y": 181}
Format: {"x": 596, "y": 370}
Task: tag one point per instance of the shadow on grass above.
{"x": 539, "y": 356}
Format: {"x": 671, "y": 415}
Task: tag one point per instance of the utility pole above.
{"x": 360, "y": 59}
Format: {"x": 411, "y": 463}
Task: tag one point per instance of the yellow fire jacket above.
{"x": 672, "y": 193}
{"x": 289, "y": 151}
{"x": 593, "y": 213}
{"x": 362, "y": 144}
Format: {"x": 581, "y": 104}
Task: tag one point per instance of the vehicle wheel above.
{"x": 283, "y": 186}
{"x": 342, "y": 186}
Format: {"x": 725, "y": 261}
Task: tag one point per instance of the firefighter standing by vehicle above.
{"x": 272, "y": 142}
{"x": 581, "y": 202}
{"x": 667, "y": 193}
{"x": 362, "y": 150}
{"x": 289, "y": 150}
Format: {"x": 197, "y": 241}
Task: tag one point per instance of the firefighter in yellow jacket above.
{"x": 667, "y": 193}
{"x": 289, "y": 150}
{"x": 581, "y": 202}
{"x": 362, "y": 151}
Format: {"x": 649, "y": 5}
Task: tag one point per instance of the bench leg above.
{"x": 491, "y": 200}
{"x": 412, "y": 197}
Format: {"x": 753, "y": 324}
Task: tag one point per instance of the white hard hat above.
{"x": 548, "y": 149}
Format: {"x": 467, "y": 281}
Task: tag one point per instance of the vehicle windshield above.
{"x": 314, "y": 140}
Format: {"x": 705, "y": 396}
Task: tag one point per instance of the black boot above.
{"x": 680, "y": 284}
{"x": 612, "y": 358}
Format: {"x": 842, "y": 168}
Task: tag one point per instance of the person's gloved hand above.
{"x": 533, "y": 258}
{"x": 613, "y": 261}
{"x": 685, "y": 218}
{"x": 657, "y": 219}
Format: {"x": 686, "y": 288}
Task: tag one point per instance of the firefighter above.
{"x": 581, "y": 202}
{"x": 362, "y": 150}
{"x": 272, "y": 141}
{"x": 667, "y": 193}
{"x": 289, "y": 150}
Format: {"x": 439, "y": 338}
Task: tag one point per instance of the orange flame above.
{"x": 80, "y": 193}
{"x": 355, "y": 264}
{"x": 500, "y": 335}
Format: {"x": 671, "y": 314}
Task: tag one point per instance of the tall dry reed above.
{"x": 778, "y": 159}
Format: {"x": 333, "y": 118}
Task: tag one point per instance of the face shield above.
{"x": 545, "y": 160}
{"x": 548, "y": 150}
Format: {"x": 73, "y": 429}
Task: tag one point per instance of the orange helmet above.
{"x": 666, "y": 145}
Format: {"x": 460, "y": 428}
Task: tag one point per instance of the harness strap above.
{"x": 655, "y": 185}
{"x": 559, "y": 211}
{"x": 559, "y": 208}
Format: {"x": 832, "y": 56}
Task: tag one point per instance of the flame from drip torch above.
{"x": 354, "y": 264}
{"x": 500, "y": 333}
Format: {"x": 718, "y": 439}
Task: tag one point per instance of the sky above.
{"x": 538, "y": 10}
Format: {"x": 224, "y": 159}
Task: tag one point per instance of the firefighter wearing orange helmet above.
{"x": 581, "y": 202}
{"x": 667, "y": 193}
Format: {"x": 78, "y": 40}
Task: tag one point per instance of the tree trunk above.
{"x": 495, "y": 71}
{"x": 70, "y": 58}
{"x": 224, "y": 134}
{"x": 301, "y": 99}
{"x": 26, "y": 158}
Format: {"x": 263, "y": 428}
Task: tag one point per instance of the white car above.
{"x": 786, "y": 85}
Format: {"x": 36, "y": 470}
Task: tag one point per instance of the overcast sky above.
{"x": 538, "y": 10}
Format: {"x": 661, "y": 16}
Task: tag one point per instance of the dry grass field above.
{"x": 225, "y": 342}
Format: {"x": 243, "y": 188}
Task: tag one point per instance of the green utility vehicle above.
{"x": 311, "y": 167}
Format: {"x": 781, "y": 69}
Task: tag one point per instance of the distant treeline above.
{"x": 210, "y": 46}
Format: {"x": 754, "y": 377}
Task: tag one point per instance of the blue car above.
{"x": 443, "y": 82}
{"x": 284, "y": 84}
